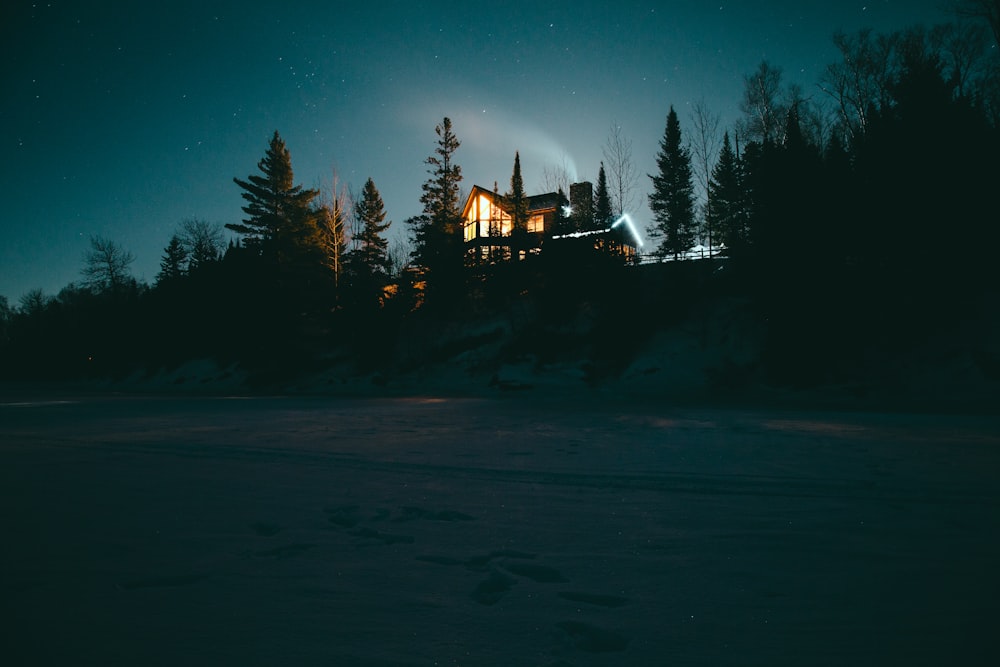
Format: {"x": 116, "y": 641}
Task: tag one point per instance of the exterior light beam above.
{"x": 627, "y": 219}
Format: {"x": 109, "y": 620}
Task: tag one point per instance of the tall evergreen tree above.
{"x": 785, "y": 213}
{"x": 281, "y": 222}
{"x": 516, "y": 197}
{"x": 602, "y": 202}
{"x": 891, "y": 163}
{"x": 368, "y": 261}
{"x": 174, "y": 262}
{"x": 518, "y": 205}
{"x": 672, "y": 199}
{"x": 726, "y": 215}
{"x": 440, "y": 198}
{"x": 563, "y": 223}
{"x": 437, "y": 232}
{"x": 373, "y": 248}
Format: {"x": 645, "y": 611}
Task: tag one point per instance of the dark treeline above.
{"x": 859, "y": 222}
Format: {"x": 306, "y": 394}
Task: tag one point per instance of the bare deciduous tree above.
{"x": 621, "y": 173}
{"x": 962, "y": 47}
{"x": 762, "y": 107}
{"x": 335, "y": 216}
{"x": 557, "y": 177}
{"x": 399, "y": 256}
{"x": 34, "y": 302}
{"x": 859, "y": 83}
{"x": 202, "y": 241}
{"x": 987, "y": 10}
{"x": 106, "y": 265}
{"x": 814, "y": 120}
{"x": 705, "y": 143}
{"x": 6, "y": 316}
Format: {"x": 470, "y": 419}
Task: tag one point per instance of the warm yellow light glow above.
{"x": 488, "y": 218}
{"x": 495, "y": 253}
{"x": 485, "y": 209}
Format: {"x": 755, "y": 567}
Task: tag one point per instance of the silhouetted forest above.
{"x": 858, "y": 223}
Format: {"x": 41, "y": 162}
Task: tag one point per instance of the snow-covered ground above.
{"x": 509, "y": 531}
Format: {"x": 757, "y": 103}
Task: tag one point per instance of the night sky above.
{"x": 122, "y": 119}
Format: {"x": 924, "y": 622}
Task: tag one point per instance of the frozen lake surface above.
{"x": 289, "y": 531}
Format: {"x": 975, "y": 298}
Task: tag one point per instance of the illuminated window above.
{"x": 484, "y": 208}
{"x": 502, "y": 221}
{"x": 536, "y": 223}
{"x": 488, "y": 218}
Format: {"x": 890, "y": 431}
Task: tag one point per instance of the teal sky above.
{"x": 122, "y": 119}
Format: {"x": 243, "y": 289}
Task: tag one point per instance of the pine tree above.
{"x": 563, "y": 223}
{"x": 725, "y": 219}
{"x": 437, "y": 232}
{"x": 281, "y": 224}
{"x": 368, "y": 261}
{"x": 174, "y": 261}
{"x": 440, "y": 198}
{"x": 602, "y": 202}
{"x": 517, "y": 202}
{"x": 373, "y": 248}
{"x": 672, "y": 200}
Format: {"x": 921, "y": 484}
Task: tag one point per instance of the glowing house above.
{"x": 488, "y": 225}
{"x": 489, "y": 234}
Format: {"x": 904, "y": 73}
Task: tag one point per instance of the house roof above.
{"x": 544, "y": 202}
{"x": 536, "y": 203}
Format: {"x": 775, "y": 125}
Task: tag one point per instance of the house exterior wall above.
{"x": 488, "y": 226}
{"x": 485, "y": 218}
